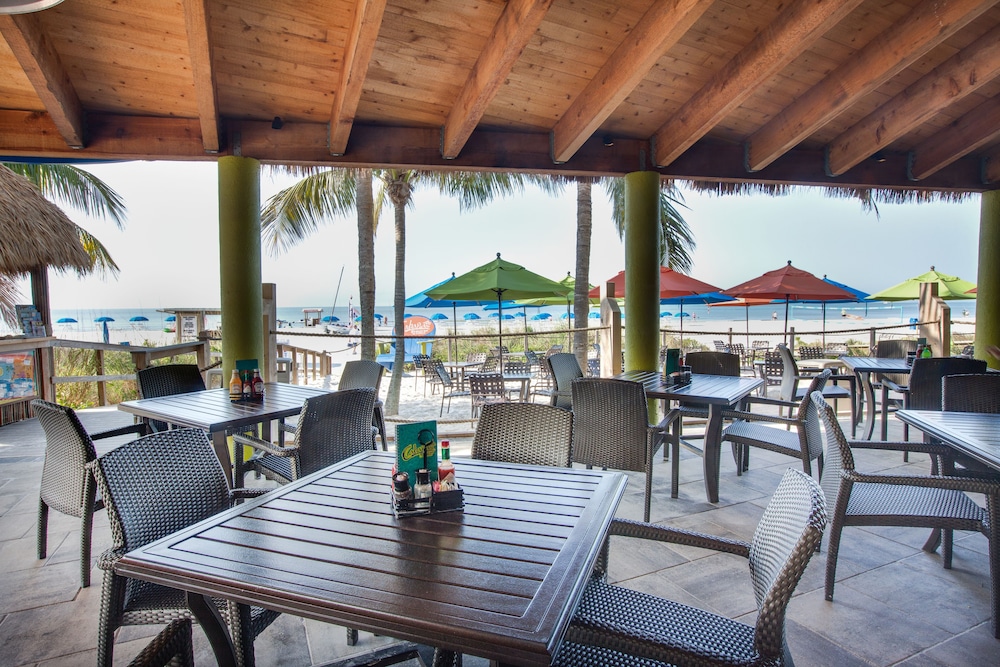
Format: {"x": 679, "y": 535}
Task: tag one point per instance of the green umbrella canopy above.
{"x": 569, "y": 282}
{"x": 949, "y": 287}
{"x": 498, "y": 280}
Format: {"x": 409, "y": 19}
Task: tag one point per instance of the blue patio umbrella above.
{"x": 471, "y": 316}
{"x": 170, "y": 318}
{"x": 331, "y": 318}
{"x": 681, "y": 314}
{"x": 104, "y": 318}
{"x": 65, "y": 320}
{"x": 594, "y": 316}
{"x": 567, "y": 316}
{"x": 421, "y": 300}
{"x": 519, "y": 314}
{"x": 138, "y": 318}
{"x": 379, "y": 316}
{"x": 439, "y": 316}
{"x": 541, "y": 316}
{"x": 858, "y": 295}
{"x": 494, "y": 316}
{"x": 663, "y": 313}
{"x": 357, "y": 319}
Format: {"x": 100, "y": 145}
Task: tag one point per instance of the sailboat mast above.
{"x": 336, "y": 294}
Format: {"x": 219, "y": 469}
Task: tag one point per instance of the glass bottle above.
{"x": 235, "y": 386}
{"x": 258, "y": 385}
{"x": 422, "y": 489}
{"x": 446, "y": 469}
{"x": 247, "y": 387}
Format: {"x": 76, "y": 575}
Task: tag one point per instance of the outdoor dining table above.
{"x": 461, "y": 368}
{"x": 500, "y": 579}
{"x": 973, "y": 434}
{"x": 863, "y": 368}
{"x": 717, "y": 392}
{"x": 213, "y": 412}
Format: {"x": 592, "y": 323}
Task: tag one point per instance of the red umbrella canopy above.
{"x": 672, "y": 285}
{"x": 790, "y": 284}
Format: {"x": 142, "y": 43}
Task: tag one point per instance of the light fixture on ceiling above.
{"x": 879, "y": 157}
{"x": 608, "y": 140}
{"x": 277, "y": 123}
{"x": 26, "y": 6}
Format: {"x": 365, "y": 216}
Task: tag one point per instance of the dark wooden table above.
{"x": 500, "y": 579}
{"x": 717, "y": 392}
{"x": 212, "y": 411}
{"x": 974, "y": 434}
{"x": 864, "y": 368}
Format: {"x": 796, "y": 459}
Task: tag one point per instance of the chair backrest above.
{"x": 418, "y": 361}
{"x": 971, "y": 393}
{"x": 610, "y": 423}
{"x": 895, "y": 348}
{"x": 474, "y": 357}
{"x": 760, "y": 346}
{"x": 713, "y": 363}
{"x": 159, "y": 484}
{"x": 438, "y": 374}
{"x": 333, "y": 427}
{"x": 564, "y": 368}
{"x": 789, "y": 374}
{"x": 490, "y": 364}
{"x": 361, "y": 373}
{"x": 786, "y": 537}
{"x": 808, "y": 415}
{"x": 68, "y": 449}
{"x": 837, "y": 455}
{"x": 926, "y": 374}
{"x": 773, "y": 366}
{"x": 168, "y": 380}
{"x": 810, "y": 352}
{"x": 528, "y": 433}
{"x": 485, "y": 385}
{"x": 516, "y": 367}
{"x": 720, "y": 346}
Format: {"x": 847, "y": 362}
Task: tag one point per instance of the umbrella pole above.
{"x": 824, "y": 326}
{"x": 787, "y": 341}
{"x": 524, "y": 311}
{"x": 680, "y": 345}
{"x": 500, "y": 328}
{"x": 454, "y": 331}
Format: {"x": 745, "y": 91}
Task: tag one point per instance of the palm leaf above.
{"x": 102, "y": 261}
{"x": 74, "y": 187}
{"x": 297, "y": 211}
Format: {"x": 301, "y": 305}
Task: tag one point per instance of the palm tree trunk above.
{"x": 581, "y": 301}
{"x": 366, "y": 261}
{"x": 399, "y": 193}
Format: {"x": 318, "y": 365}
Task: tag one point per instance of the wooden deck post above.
{"x": 988, "y": 280}
{"x": 642, "y": 281}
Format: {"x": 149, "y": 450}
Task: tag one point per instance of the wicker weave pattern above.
{"x": 926, "y": 379}
{"x": 167, "y": 380}
{"x": 172, "y": 646}
{"x": 611, "y": 427}
{"x": 330, "y": 428}
{"x": 67, "y": 486}
{"x": 524, "y": 433}
{"x": 971, "y": 393}
{"x": 713, "y": 363}
{"x": 147, "y": 500}
{"x": 564, "y": 368}
{"x": 930, "y": 501}
{"x": 361, "y": 373}
{"x": 625, "y": 627}
{"x": 486, "y": 388}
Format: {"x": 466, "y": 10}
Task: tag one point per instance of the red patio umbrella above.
{"x": 790, "y": 284}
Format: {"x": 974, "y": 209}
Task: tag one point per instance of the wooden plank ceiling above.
{"x": 846, "y": 93}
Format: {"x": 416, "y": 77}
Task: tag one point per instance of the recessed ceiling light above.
{"x": 26, "y": 6}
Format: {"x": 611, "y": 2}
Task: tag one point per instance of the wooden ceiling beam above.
{"x": 358, "y": 54}
{"x": 202, "y": 70}
{"x": 980, "y": 127}
{"x": 898, "y": 47}
{"x": 793, "y": 31}
{"x": 960, "y": 75}
{"x": 657, "y": 31}
{"x": 41, "y": 64}
{"x": 517, "y": 24}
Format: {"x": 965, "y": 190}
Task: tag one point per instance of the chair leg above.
{"x": 86, "y": 529}
{"x": 352, "y": 636}
{"x": 379, "y": 417}
{"x": 43, "y": 528}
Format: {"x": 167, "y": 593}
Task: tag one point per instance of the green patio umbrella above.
{"x": 498, "y": 281}
{"x": 949, "y": 287}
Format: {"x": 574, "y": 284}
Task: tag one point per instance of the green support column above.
{"x": 239, "y": 262}
{"x": 642, "y": 270}
{"x": 988, "y": 281}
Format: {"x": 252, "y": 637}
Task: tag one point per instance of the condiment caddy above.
{"x": 430, "y": 488}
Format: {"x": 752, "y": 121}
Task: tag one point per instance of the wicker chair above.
{"x": 771, "y": 370}
{"x": 486, "y": 388}
{"x": 627, "y": 628}
{"x": 448, "y": 389}
{"x": 167, "y": 380}
{"x": 148, "y": 500}
{"x": 564, "y": 368}
{"x": 330, "y": 428}
{"x": 923, "y": 388}
{"x": 932, "y": 501}
{"x": 702, "y": 363}
{"x": 971, "y": 393}
{"x": 170, "y": 648}
{"x": 362, "y": 373}
{"x": 611, "y": 428}
{"x": 66, "y": 485}
{"x": 791, "y": 391}
{"x": 770, "y": 432}
{"x": 893, "y": 348}
{"x": 527, "y": 433}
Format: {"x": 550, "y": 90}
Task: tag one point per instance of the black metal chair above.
{"x": 701, "y": 363}
{"x": 167, "y": 380}
{"x": 330, "y": 428}
{"x": 932, "y": 501}
{"x": 448, "y": 389}
{"x": 66, "y": 485}
{"x": 486, "y": 388}
{"x": 149, "y": 497}
{"x": 170, "y": 648}
{"x": 978, "y": 392}
{"x": 528, "y": 433}
{"x": 619, "y": 626}
{"x": 922, "y": 389}
{"x": 362, "y": 373}
{"x": 564, "y": 368}
{"x": 611, "y": 428}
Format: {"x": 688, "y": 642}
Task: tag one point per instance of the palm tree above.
{"x": 294, "y": 213}
{"x": 83, "y": 191}
{"x": 676, "y": 242}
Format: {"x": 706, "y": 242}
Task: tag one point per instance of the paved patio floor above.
{"x": 894, "y": 604}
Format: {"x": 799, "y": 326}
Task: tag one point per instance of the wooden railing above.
{"x": 319, "y": 364}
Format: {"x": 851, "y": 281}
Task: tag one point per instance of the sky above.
{"x": 169, "y": 250}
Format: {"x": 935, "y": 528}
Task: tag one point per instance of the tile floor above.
{"x": 894, "y": 605}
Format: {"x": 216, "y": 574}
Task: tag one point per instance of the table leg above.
{"x": 221, "y": 446}
{"x": 868, "y": 397}
{"x": 713, "y": 447}
{"x": 215, "y": 629}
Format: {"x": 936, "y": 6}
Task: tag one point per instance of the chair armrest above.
{"x": 898, "y": 388}
{"x": 245, "y": 494}
{"x": 758, "y": 417}
{"x": 138, "y": 429}
{"x": 108, "y": 559}
{"x": 264, "y": 445}
{"x": 966, "y": 484}
{"x": 919, "y": 447}
{"x": 651, "y": 531}
{"x": 763, "y": 400}
{"x": 617, "y": 637}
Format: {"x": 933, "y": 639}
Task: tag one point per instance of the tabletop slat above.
{"x": 974, "y": 434}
